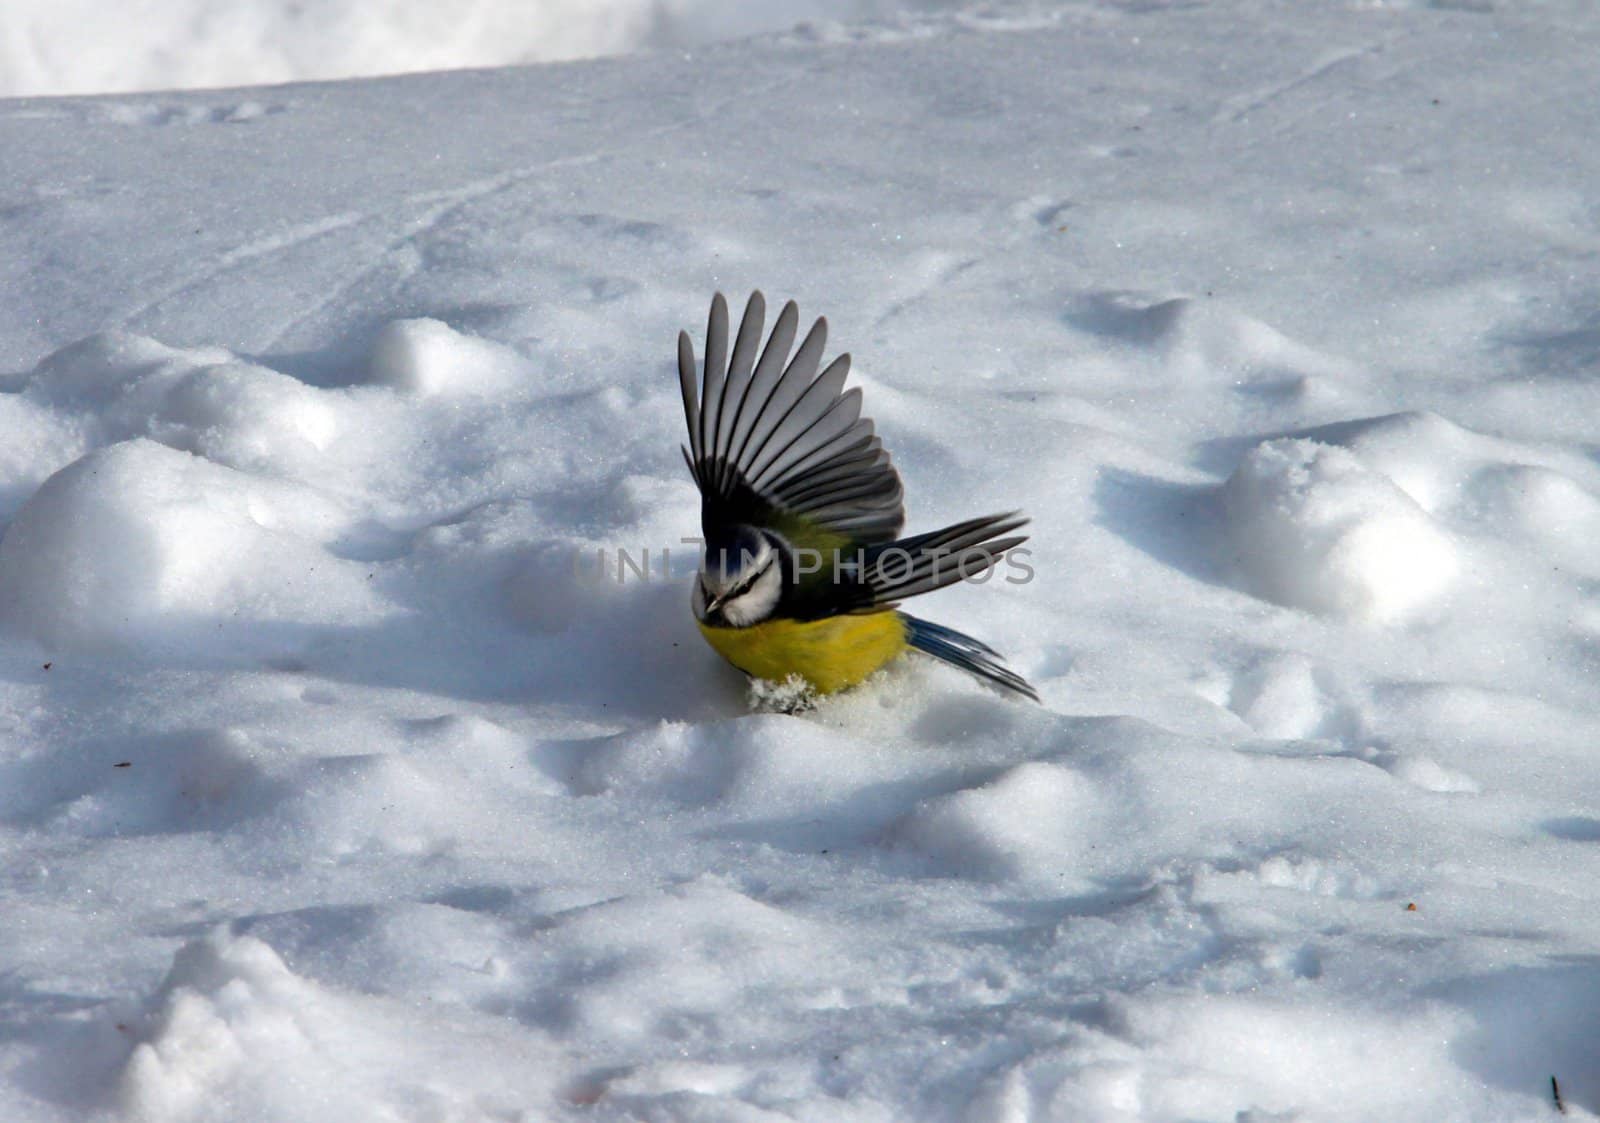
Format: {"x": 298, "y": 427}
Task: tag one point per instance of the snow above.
{"x": 348, "y": 770}
{"x": 139, "y": 546}
{"x": 427, "y": 357}
{"x": 87, "y": 46}
{"x": 1314, "y": 528}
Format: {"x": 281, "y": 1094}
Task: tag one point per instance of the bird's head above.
{"x": 740, "y": 578}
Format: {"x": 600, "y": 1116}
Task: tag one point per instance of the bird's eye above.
{"x": 746, "y": 585}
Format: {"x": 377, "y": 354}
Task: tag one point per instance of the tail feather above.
{"x": 972, "y": 656}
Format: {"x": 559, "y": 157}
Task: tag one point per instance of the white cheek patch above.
{"x": 758, "y": 602}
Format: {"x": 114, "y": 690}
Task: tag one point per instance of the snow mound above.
{"x": 1200, "y": 340}
{"x": 138, "y": 544}
{"x": 647, "y": 986}
{"x": 223, "y": 1000}
{"x": 1542, "y": 506}
{"x": 203, "y": 400}
{"x": 1539, "y": 497}
{"x": 1031, "y": 821}
{"x": 34, "y": 441}
{"x": 1423, "y": 454}
{"x": 1222, "y": 1059}
{"x": 429, "y": 357}
{"x": 1428, "y": 774}
{"x": 208, "y": 779}
{"x": 233, "y": 1034}
{"x": 1313, "y": 527}
{"x": 1281, "y": 698}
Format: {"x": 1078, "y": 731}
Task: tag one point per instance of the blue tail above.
{"x": 950, "y": 646}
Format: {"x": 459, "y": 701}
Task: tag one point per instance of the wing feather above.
{"x": 931, "y": 561}
{"x": 745, "y": 348}
{"x": 768, "y": 377}
{"x": 715, "y": 368}
{"x": 774, "y": 443}
{"x": 838, "y": 473}
{"x": 691, "y": 398}
{"x": 767, "y": 370}
{"x": 814, "y": 458}
{"x": 820, "y": 397}
{"x": 785, "y": 394}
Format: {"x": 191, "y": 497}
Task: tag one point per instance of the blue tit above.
{"x": 803, "y": 568}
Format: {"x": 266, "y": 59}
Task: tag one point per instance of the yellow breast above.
{"x": 830, "y": 654}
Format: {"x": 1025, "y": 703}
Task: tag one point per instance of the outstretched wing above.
{"x": 774, "y": 444}
{"x": 878, "y": 577}
{"x": 925, "y": 562}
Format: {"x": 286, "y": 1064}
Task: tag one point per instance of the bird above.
{"x": 802, "y": 568}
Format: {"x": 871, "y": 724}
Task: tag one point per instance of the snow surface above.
{"x": 332, "y": 788}
{"x": 92, "y": 46}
